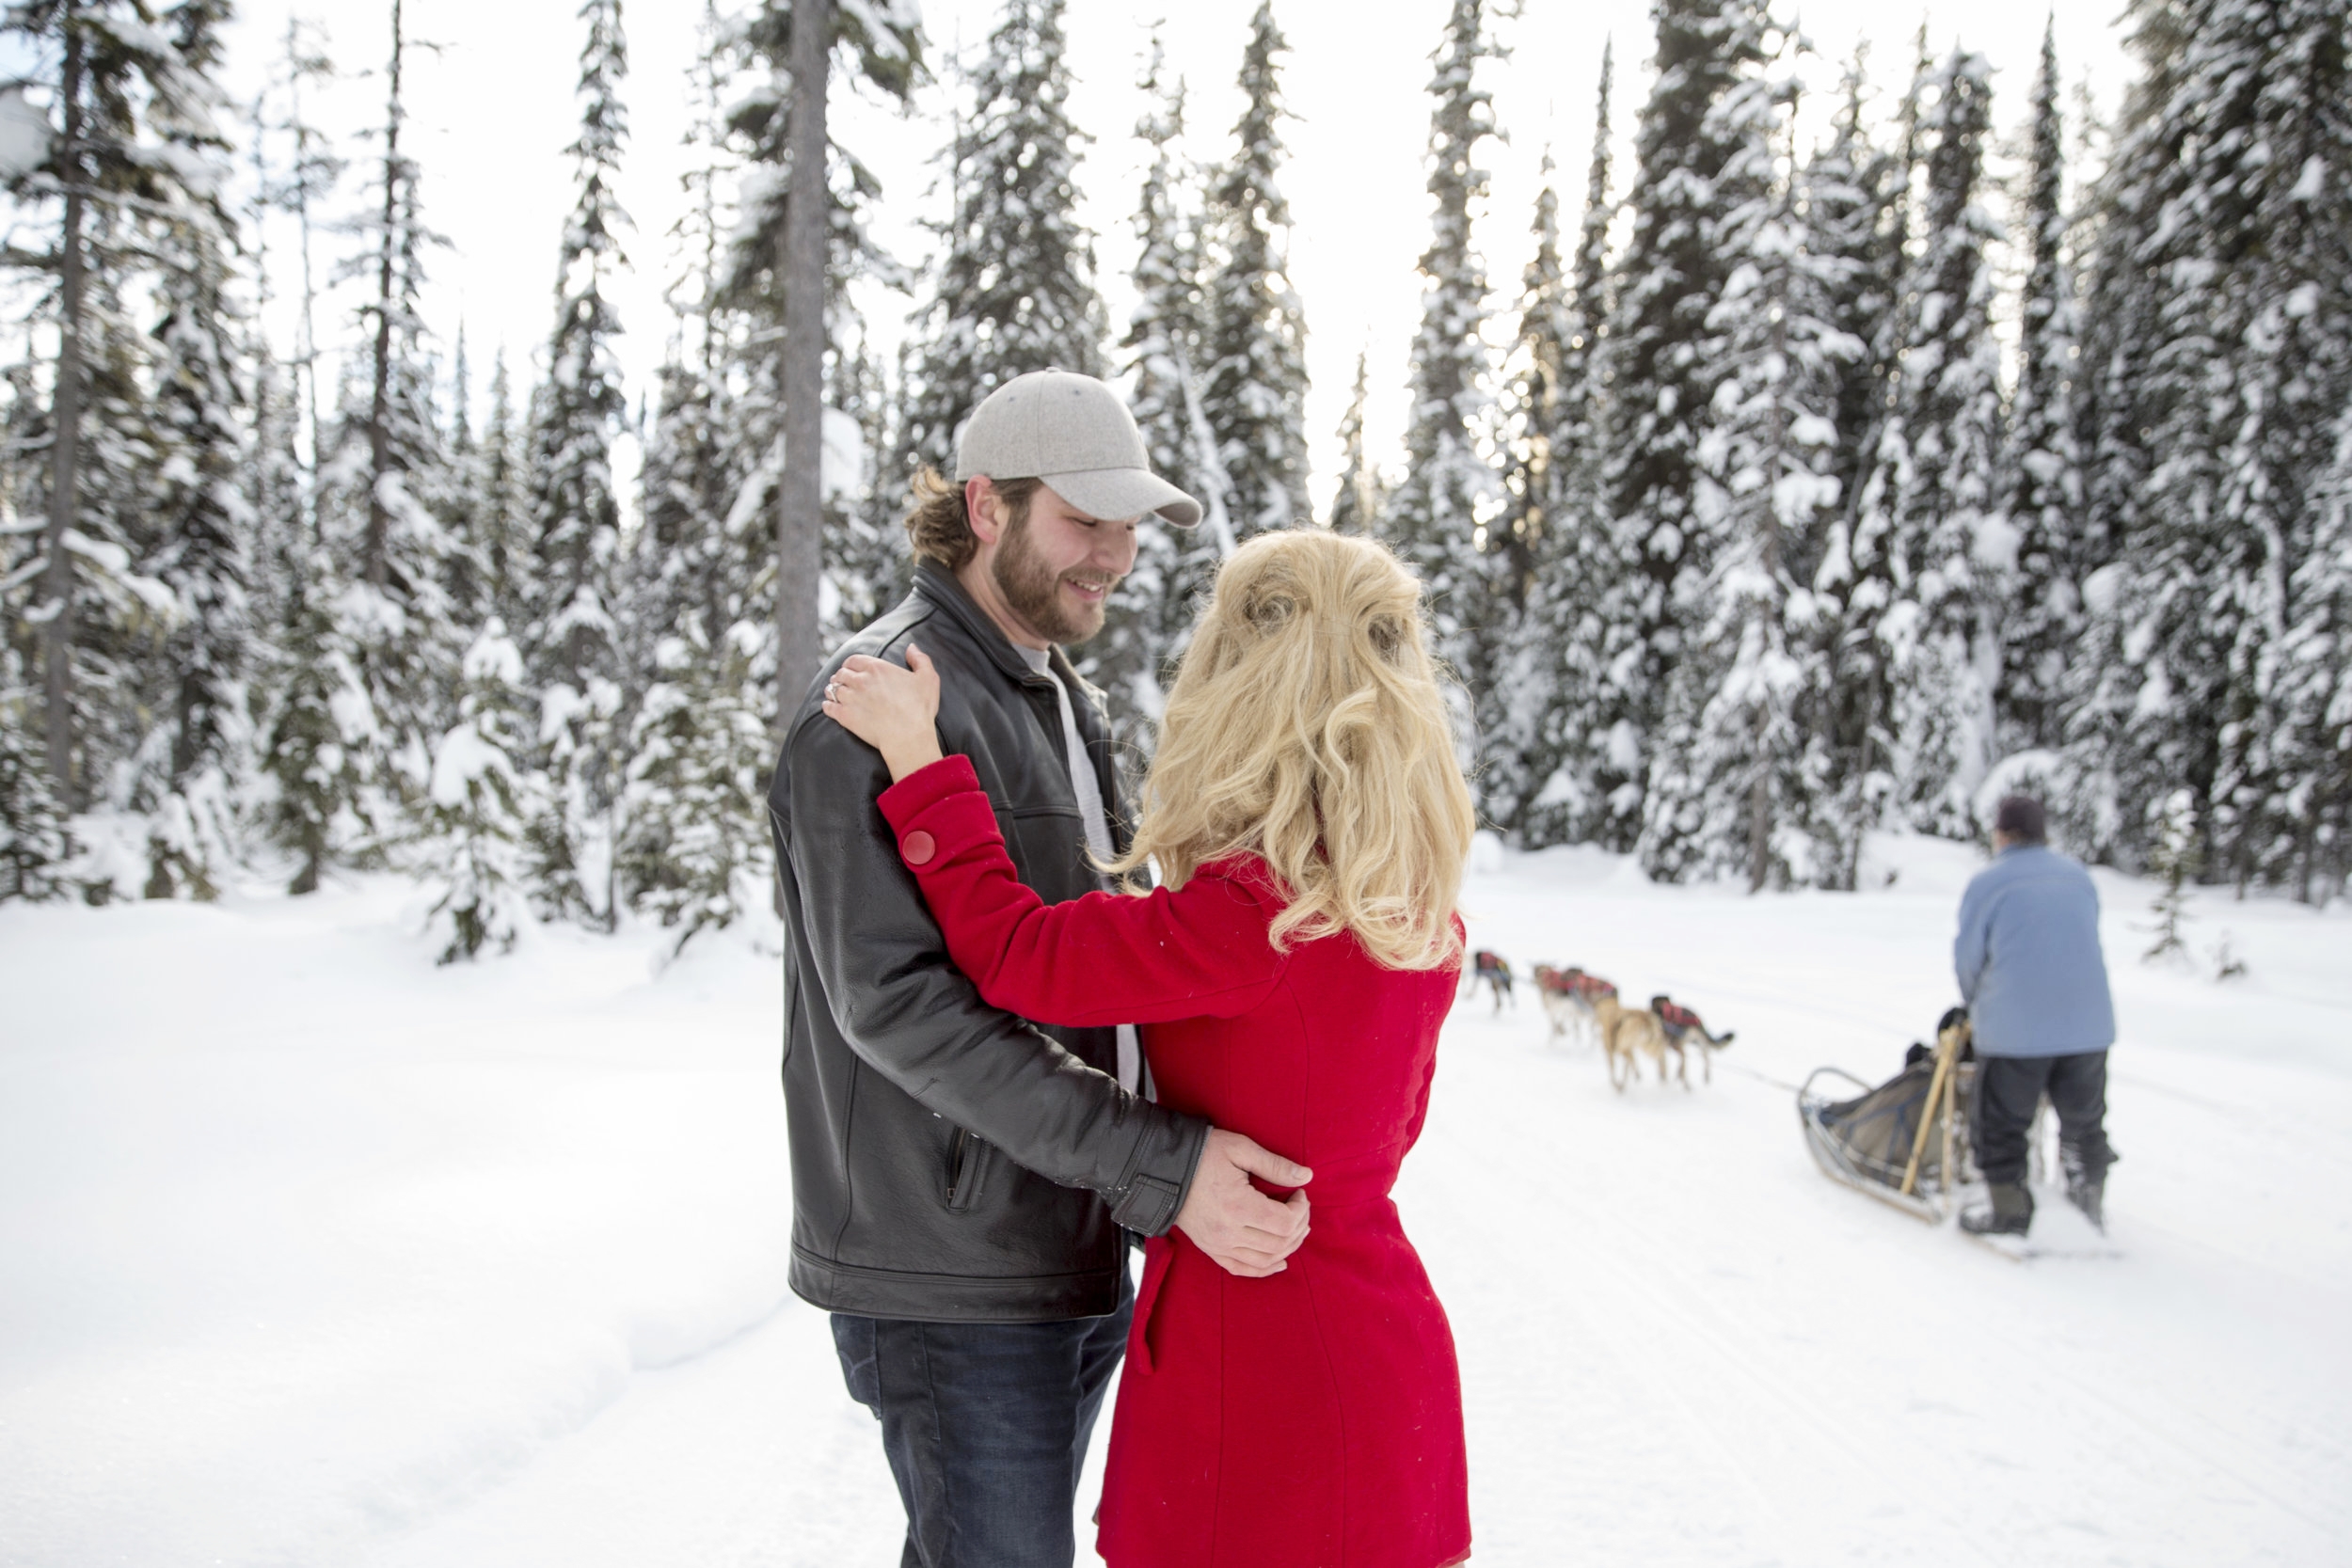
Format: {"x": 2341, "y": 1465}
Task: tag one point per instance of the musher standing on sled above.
{"x": 2036, "y": 983}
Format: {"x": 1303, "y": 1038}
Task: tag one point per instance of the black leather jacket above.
{"x": 950, "y": 1161}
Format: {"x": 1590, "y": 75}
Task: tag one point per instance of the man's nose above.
{"x": 1115, "y": 550}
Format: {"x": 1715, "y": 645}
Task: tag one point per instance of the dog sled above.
{"x": 1903, "y": 1141}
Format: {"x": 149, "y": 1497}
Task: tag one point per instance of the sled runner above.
{"x": 1903, "y": 1141}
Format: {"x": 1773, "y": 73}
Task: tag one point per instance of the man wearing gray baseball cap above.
{"x": 964, "y": 1181}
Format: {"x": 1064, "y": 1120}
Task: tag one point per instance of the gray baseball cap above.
{"x": 1073, "y": 433}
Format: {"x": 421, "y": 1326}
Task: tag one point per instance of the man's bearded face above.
{"x": 1061, "y": 603}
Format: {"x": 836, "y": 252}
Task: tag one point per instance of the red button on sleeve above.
{"x": 918, "y": 847}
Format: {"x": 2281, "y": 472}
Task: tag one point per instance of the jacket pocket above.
{"x": 967, "y": 1170}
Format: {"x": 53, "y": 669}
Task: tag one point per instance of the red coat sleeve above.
{"x": 1104, "y": 958}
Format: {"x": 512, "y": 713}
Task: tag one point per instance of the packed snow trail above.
{"x": 312, "y": 1254}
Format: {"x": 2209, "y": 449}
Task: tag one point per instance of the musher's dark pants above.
{"x": 985, "y": 1426}
{"x": 2008, "y": 1088}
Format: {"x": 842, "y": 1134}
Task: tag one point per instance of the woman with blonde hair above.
{"x": 1308, "y": 821}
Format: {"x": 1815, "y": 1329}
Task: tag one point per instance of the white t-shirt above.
{"x": 1095, "y": 818}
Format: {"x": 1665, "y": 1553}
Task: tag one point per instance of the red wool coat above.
{"x": 1313, "y": 1420}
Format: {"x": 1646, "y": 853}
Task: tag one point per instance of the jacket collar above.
{"x": 941, "y": 588}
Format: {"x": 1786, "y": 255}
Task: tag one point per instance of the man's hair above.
{"x": 940, "y": 529}
{"x": 2021, "y": 817}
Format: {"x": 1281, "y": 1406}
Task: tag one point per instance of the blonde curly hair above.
{"x": 1307, "y": 727}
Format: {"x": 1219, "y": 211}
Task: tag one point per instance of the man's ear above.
{"x": 984, "y": 507}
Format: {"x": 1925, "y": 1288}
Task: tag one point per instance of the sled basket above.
{"x": 1866, "y": 1139}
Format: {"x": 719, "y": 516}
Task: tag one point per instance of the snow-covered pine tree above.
{"x": 798, "y": 221}
{"x": 1734, "y": 783}
{"x": 189, "y": 767}
{"x": 1437, "y": 520}
{"x": 1558, "y": 684}
{"x": 568, "y": 635}
{"x": 99, "y": 63}
{"x": 300, "y": 762}
{"x": 35, "y": 845}
{"x": 1532, "y": 389}
{"x": 478, "y": 804}
{"x": 1254, "y": 380}
{"x": 2042, "y": 480}
{"x": 2310, "y": 695}
{"x": 1862, "y": 213}
{"x": 2280, "y": 79}
{"x": 1929, "y": 522}
{"x": 1014, "y": 291}
{"x": 271, "y": 476}
{"x": 1358, "y": 497}
{"x": 1514, "y": 763}
{"x": 700, "y": 576}
{"x": 1666, "y": 281}
{"x": 1575, "y": 467}
{"x": 1153, "y": 609}
{"x": 379, "y": 472}
{"x": 313, "y": 166}
{"x": 694, "y": 854}
{"x": 2217, "y": 377}
{"x": 1855, "y": 199}
{"x": 867, "y": 566}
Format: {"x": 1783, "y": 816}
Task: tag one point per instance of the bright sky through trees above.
{"x": 494, "y": 110}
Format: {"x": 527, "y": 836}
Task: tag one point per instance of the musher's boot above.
{"x": 2085, "y": 1190}
{"x": 2010, "y": 1214}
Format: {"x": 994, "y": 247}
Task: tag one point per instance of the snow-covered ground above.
{"x": 313, "y": 1254}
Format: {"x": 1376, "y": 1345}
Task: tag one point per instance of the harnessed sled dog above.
{"x": 1627, "y": 1034}
{"x": 1683, "y": 1028}
{"x": 1493, "y": 970}
{"x": 1568, "y": 996}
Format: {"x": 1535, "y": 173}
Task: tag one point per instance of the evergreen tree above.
{"x": 1855, "y": 197}
{"x": 1531, "y": 405}
{"x": 2042, "y": 478}
{"x": 1513, "y": 767}
{"x": 1014, "y": 291}
{"x": 1733, "y": 786}
{"x": 1437, "y": 520}
{"x": 34, "y": 844}
{"x": 1151, "y": 612}
{"x": 569, "y": 636}
{"x": 202, "y": 523}
{"x": 1857, "y": 206}
{"x": 386, "y": 549}
{"x": 1357, "y": 499}
{"x": 1667, "y": 281}
{"x": 2222, "y": 348}
{"x": 1558, "y": 735}
{"x": 478, "y": 803}
{"x": 800, "y": 221}
{"x": 104, "y": 64}
{"x": 694, "y": 854}
{"x": 1928, "y": 524}
{"x": 2311, "y": 696}
{"x": 1255, "y": 380}
{"x": 867, "y": 566}
{"x": 692, "y": 844}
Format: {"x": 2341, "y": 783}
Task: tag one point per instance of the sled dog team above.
{"x": 1587, "y": 1006}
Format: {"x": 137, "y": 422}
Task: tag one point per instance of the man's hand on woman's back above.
{"x": 1243, "y": 1230}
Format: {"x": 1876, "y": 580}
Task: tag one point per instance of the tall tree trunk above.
{"x": 380, "y": 403}
{"x": 799, "y": 522}
{"x": 58, "y": 582}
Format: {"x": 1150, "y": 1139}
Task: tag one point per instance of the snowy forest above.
{"x": 1812, "y": 482}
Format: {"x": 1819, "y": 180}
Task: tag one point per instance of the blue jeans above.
{"x": 985, "y": 1426}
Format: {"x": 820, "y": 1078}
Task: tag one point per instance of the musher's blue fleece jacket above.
{"x": 2028, "y": 958}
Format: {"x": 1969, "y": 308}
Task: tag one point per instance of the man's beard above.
{"x": 1034, "y": 591}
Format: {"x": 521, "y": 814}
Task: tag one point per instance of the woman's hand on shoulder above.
{"x": 894, "y": 711}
